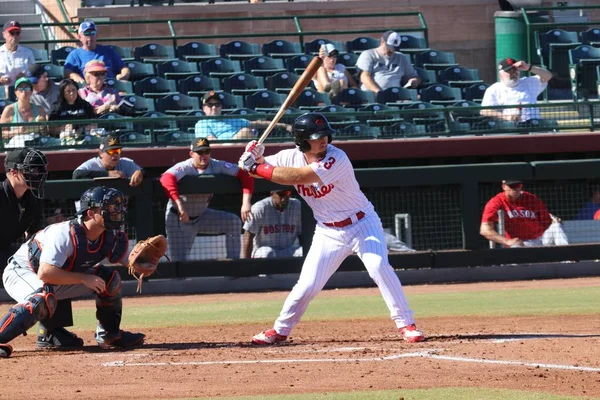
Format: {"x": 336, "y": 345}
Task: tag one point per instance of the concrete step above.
{"x": 21, "y": 18}
{"x": 16, "y": 7}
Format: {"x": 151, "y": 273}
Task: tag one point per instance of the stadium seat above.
{"x": 134, "y": 138}
{"x": 157, "y": 127}
{"x": 281, "y": 49}
{"x": 123, "y": 52}
{"x": 459, "y": 77}
{"x": 123, "y": 87}
{"x": 119, "y": 123}
{"x": 55, "y": 72}
{"x": 196, "y": 51}
{"x": 449, "y": 128}
{"x": 435, "y": 60}
{"x": 467, "y": 111}
{"x": 360, "y": 44}
{"x": 356, "y": 131}
{"x": 40, "y": 55}
{"x": 552, "y": 48}
{"x": 441, "y": 94}
{"x": 198, "y": 85}
{"x": 177, "y": 104}
{"x": 244, "y": 111}
{"x": 427, "y": 77}
{"x": 412, "y": 45}
{"x": 177, "y": 69}
{"x": 154, "y": 87}
{"x": 281, "y": 82}
{"x": 352, "y": 97}
{"x": 141, "y": 105}
{"x": 220, "y": 67}
{"x": 382, "y": 115}
{"x": 174, "y": 138}
{"x": 310, "y": 99}
{"x": 396, "y": 95}
{"x": 338, "y": 116}
{"x": 492, "y": 126}
{"x": 230, "y": 101}
{"x": 263, "y": 66}
{"x": 187, "y": 121}
{"x": 154, "y": 53}
{"x": 403, "y": 130}
{"x": 139, "y": 70}
{"x": 422, "y": 113}
{"x": 262, "y": 101}
{"x": 537, "y": 124}
{"x": 297, "y": 64}
{"x": 59, "y": 55}
{"x": 239, "y": 50}
{"x": 590, "y": 37}
{"x": 243, "y": 84}
{"x": 475, "y": 92}
{"x": 314, "y": 45}
{"x": 583, "y": 61}
{"x": 43, "y": 142}
{"x": 349, "y": 61}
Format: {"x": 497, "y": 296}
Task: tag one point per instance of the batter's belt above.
{"x": 348, "y": 221}
{"x": 174, "y": 211}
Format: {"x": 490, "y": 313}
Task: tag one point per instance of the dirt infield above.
{"x": 558, "y": 355}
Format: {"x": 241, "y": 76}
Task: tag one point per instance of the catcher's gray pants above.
{"x": 181, "y": 235}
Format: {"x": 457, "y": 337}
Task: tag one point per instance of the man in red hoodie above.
{"x": 188, "y": 215}
{"x": 527, "y": 221}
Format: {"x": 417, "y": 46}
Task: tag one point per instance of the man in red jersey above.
{"x": 527, "y": 221}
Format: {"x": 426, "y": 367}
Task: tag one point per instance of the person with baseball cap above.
{"x": 90, "y": 50}
{"x": 14, "y": 59}
{"x": 527, "y": 221}
{"x": 229, "y": 128}
{"x": 103, "y": 98}
{"x": 45, "y": 91}
{"x": 384, "y": 67}
{"x": 514, "y": 90}
{"x": 332, "y": 77}
{"x": 110, "y": 164}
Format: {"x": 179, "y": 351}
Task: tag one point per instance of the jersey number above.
{"x": 329, "y": 163}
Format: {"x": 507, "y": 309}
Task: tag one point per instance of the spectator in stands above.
{"x": 590, "y": 209}
{"x": 14, "y": 59}
{"x": 89, "y": 50}
{"x": 22, "y": 111}
{"x": 332, "y": 77}
{"x": 45, "y": 91}
{"x": 102, "y": 97}
{"x": 513, "y": 90}
{"x": 275, "y": 225}
{"x": 527, "y": 221}
{"x": 71, "y": 107}
{"x": 188, "y": 215}
{"x": 109, "y": 163}
{"x": 383, "y": 67}
{"x": 226, "y": 128}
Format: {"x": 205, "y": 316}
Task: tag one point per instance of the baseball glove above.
{"x": 144, "y": 257}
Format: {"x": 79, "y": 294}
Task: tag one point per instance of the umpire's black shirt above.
{"x": 16, "y": 216}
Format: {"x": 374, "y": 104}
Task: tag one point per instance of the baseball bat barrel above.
{"x": 293, "y": 95}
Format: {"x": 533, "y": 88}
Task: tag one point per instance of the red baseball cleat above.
{"x": 411, "y": 334}
{"x": 268, "y": 337}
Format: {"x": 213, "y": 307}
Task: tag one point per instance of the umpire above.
{"x": 20, "y": 211}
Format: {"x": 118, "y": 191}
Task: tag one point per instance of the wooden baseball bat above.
{"x": 293, "y": 95}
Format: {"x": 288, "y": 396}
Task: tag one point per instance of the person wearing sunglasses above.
{"x": 332, "y": 77}
{"x": 77, "y": 59}
{"x": 527, "y": 221}
{"x": 110, "y": 164}
{"x": 20, "y": 112}
{"x": 102, "y": 97}
{"x": 275, "y": 225}
{"x": 14, "y": 58}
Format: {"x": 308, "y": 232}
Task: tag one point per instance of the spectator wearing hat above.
{"x": 226, "y": 128}
{"x": 527, "y": 221}
{"x": 514, "y": 90}
{"x": 90, "y": 50}
{"x": 103, "y": 98}
{"x": 383, "y": 67}
{"x": 188, "y": 215}
{"x": 45, "y": 92}
{"x": 14, "y": 59}
{"x": 70, "y": 107}
{"x": 22, "y": 111}
{"x": 332, "y": 77}
{"x": 109, "y": 163}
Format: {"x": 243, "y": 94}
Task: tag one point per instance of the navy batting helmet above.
{"x": 310, "y": 126}
{"x": 112, "y": 203}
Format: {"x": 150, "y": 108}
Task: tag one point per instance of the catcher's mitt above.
{"x": 144, "y": 257}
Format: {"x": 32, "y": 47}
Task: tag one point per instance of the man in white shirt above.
{"x": 514, "y": 90}
{"x": 14, "y": 59}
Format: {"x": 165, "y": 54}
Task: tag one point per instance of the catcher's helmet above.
{"x": 310, "y": 126}
{"x": 112, "y": 202}
{"x": 34, "y": 166}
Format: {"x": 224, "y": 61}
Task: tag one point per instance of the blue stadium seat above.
{"x": 123, "y": 87}
{"x": 140, "y": 105}
{"x": 427, "y": 77}
{"x": 265, "y": 100}
{"x": 441, "y": 94}
{"x": 352, "y": 97}
{"x": 435, "y": 60}
{"x": 338, "y": 116}
{"x": 196, "y": 51}
{"x": 552, "y": 48}
{"x": 281, "y": 49}
{"x": 158, "y": 127}
{"x": 422, "y": 113}
{"x": 176, "y": 138}
{"x": 467, "y": 111}
{"x": 591, "y": 37}
{"x": 139, "y": 70}
{"x": 177, "y": 69}
{"x": 310, "y": 99}
{"x": 220, "y": 67}
{"x": 118, "y": 124}
{"x": 263, "y": 66}
{"x": 583, "y": 63}
{"x": 412, "y": 45}
{"x": 360, "y": 44}
{"x": 154, "y": 87}
{"x": 59, "y": 55}
{"x": 382, "y": 115}
{"x": 459, "y": 77}
{"x": 230, "y": 101}
{"x": 396, "y": 95}
{"x": 349, "y": 61}
{"x": 123, "y": 52}
{"x": 55, "y": 72}
{"x": 314, "y": 45}
{"x": 403, "y": 130}
{"x": 239, "y": 50}
{"x": 297, "y": 64}
{"x": 448, "y": 128}
{"x": 281, "y": 82}
{"x": 475, "y": 92}
{"x": 177, "y": 104}
{"x": 243, "y": 84}
{"x": 154, "y": 53}
{"x": 198, "y": 85}
{"x": 356, "y": 131}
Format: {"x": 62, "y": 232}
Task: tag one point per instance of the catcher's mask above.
{"x": 112, "y": 203}
{"x": 33, "y": 164}
{"x": 310, "y": 126}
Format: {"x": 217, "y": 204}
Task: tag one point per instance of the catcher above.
{"x": 62, "y": 261}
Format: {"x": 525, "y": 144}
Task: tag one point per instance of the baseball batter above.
{"x": 274, "y": 227}
{"x": 346, "y": 223}
{"x": 188, "y": 215}
{"x": 62, "y": 261}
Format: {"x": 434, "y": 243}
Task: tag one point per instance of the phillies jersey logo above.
{"x": 521, "y": 214}
{"x": 287, "y": 228}
{"x": 315, "y": 191}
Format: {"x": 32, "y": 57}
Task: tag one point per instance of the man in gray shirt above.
{"x": 109, "y": 163}
{"x": 382, "y": 68}
{"x": 45, "y": 92}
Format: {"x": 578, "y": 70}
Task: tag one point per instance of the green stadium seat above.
{"x": 243, "y": 84}
{"x": 403, "y": 130}
{"x": 459, "y": 77}
{"x": 123, "y": 52}
{"x": 412, "y": 45}
{"x": 244, "y": 111}
{"x": 338, "y": 116}
{"x": 467, "y": 111}
{"x": 154, "y": 53}
{"x": 140, "y": 105}
{"x": 435, "y": 60}
{"x": 177, "y": 69}
{"x": 265, "y": 100}
{"x": 263, "y": 66}
{"x": 439, "y": 94}
{"x": 177, "y": 104}
{"x": 310, "y": 99}
{"x": 356, "y": 131}
{"x": 139, "y": 70}
{"x": 196, "y": 52}
{"x": 4, "y": 103}
{"x": 282, "y": 82}
{"x": 154, "y": 87}
{"x": 475, "y": 92}
{"x": 422, "y": 113}
{"x": 239, "y": 50}
{"x": 591, "y": 36}
{"x": 220, "y": 67}
{"x": 177, "y": 138}
{"x": 583, "y": 62}
{"x": 349, "y": 61}
{"x": 314, "y": 45}
{"x": 449, "y": 128}
{"x": 493, "y": 126}
{"x": 59, "y": 55}
{"x": 394, "y": 95}
{"x": 352, "y": 97}
{"x": 297, "y": 64}
{"x": 360, "y": 44}
{"x": 119, "y": 123}
{"x": 552, "y": 48}
{"x": 55, "y": 72}
{"x": 197, "y": 86}
{"x": 428, "y": 77}
{"x": 40, "y": 55}
{"x": 158, "y": 127}
{"x": 230, "y": 101}
{"x": 382, "y": 115}
{"x": 123, "y": 87}
{"x": 281, "y": 49}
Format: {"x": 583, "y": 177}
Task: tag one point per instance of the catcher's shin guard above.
{"x": 109, "y": 304}
{"x": 21, "y": 317}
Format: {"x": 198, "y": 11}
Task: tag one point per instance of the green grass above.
{"x": 416, "y": 394}
{"x": 514, "y": 302}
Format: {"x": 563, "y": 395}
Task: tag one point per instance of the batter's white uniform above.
{"x": 339, "y": 200}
